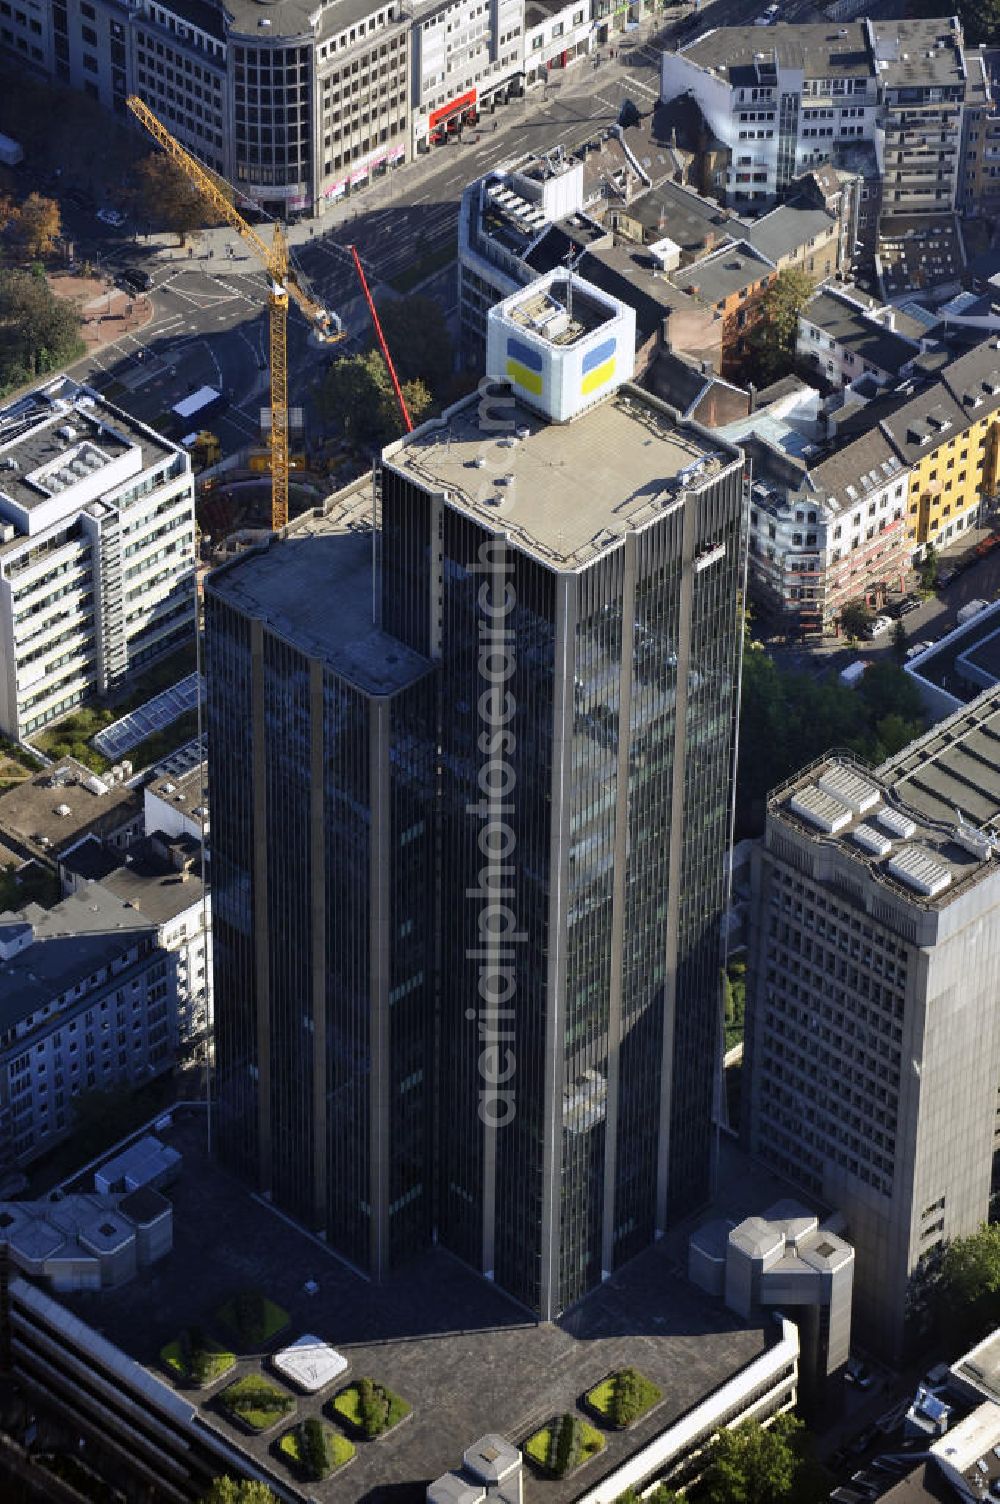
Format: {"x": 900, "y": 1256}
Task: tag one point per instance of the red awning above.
{"x": 453, "y": 107}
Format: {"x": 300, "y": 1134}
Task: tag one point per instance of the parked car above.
{"x": 879, "y": 625}
{"x": 917, "y": 647}
{"x": 945, "y": 576}
{"x": 857, "y": 1373}
{"x": 136, "y": 280}
{"x": 911, "y": 603}
{"x": 113, "y": 217}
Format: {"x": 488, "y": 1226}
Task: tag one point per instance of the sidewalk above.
{"x": 108, "y": 312}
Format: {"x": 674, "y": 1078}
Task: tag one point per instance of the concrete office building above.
{"x": 615, "y": 536}
{"x": 294, "y": 103}
{"x": 785, "y": 1260}
{"x": 87, "y": 1002}
{"x": 873, "y": 1043}
{"x": 96, "y": 551}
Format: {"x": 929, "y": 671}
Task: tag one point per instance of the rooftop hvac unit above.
{"x": 973, "y": 840}
{"x": 67, "y": 432}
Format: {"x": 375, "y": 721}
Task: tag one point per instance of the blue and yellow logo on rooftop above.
{"x": 524, "y": 365}
{"x": 598, "y": 367}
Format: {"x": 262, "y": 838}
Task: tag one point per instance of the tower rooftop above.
{"x": 564, "y": 491}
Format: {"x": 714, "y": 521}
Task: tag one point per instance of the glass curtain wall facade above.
{"x": 325, "y": 959}
{"x": 622, "y": 678}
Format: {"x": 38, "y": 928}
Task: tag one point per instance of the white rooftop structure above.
{"x": 310, "y": 1363}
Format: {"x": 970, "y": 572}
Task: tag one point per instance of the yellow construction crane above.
{"x": 274, "y": 258}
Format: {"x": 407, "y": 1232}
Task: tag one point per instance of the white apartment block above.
{"x": 467, "y": 56}
{"x": 97, "y": 551}
{"x": 555, "y": 36}
{"x": 159, "y": 878}
{"x": 779, "y": 97}
{"x": 87, "y": 1002}
{"x": 783, "y": 98}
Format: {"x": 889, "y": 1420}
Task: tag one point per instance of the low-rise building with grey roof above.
{"x": 873, "y": 1041}
{"x": 96, "y": 551}
{"x": 843, "y": 334}
{"x": 54, "y": 809}
{"x": 88, "y": 1001}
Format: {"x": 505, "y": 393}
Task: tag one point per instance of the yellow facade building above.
{"x": 948, "y": 437}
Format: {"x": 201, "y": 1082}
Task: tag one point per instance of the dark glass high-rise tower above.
{"x": 562, "y": 597}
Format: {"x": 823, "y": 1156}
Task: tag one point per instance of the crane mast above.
{"x": 283, "y": 285}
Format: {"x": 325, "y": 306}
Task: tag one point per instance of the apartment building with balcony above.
{"x": 979, "y": 170}
{"x": 873, "y": 1038}
{"x": 96, "y": 551}
{"x": 160, "y": 878}
{"x": 87, "y": 1003}
{"x": 923, "y": 82}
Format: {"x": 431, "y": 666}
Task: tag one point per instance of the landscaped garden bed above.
{"x": 368, "y": 1409}
{"x": 194, "y": 1358}
{"x": 623, "y": 1398}
{"x": 315, "y": 1450}
{"x": 564, "y": 1445}
{"x": 256, "y": 1403}
{"x": 252, "y": 1320}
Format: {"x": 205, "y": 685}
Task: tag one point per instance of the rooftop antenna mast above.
{"x": 572, "y": 259}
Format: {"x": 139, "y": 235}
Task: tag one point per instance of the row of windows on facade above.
{"x": 820, "y": 909}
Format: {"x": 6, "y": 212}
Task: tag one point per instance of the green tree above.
{"x": 754, "y": 1464}
{"x": 357, "y": 393}
{"x": 899, "y": 642}
{"x": 885, "y": 690}
{"x": 239, "y": 1491}
{"x": 929, "y": 567}
{"x": 772, "y": 343}
{"x": 787, "y": 718}
{"x": 37, "y": 225}
{"x": 855, "y": 619}
{"x": 313, "y": 1443}
{"x": 969, "y": 1284}
{"x": 38, "y": 331}
{"x": 164, "y": 195}
{"x": 564, "y": 1452}
{"x": 419, "y": 343}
